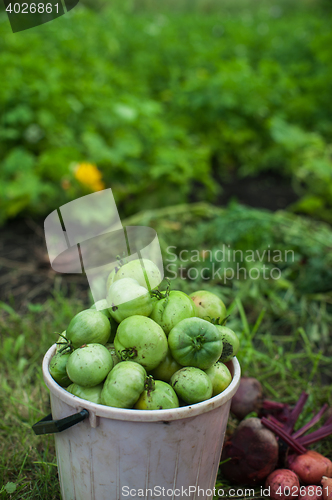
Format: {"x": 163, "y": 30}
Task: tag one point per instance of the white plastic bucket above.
{"x": 116, "y": 454}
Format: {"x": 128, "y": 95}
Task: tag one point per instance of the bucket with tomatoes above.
{"x": 141, "y": 386}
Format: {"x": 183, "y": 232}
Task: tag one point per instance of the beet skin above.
{"x": 253, "y": 450}
{"x": 310, "y": 466}
{"x": 283, "y": 484}
{"x": 248, "y": 397}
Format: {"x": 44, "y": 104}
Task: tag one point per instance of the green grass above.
{"x": 283, "y": 329}
{"x": 29, "y": 461}
{"x": 26, "y": 459}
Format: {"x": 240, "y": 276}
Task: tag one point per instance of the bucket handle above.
{"x": 48, "y": 426}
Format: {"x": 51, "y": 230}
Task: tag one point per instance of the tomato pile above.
{"x": 146, "y": 349}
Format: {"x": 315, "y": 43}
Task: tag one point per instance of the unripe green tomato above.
{"x": 192, "y": 385}
{"x": 147, "y": 275}
{"x": 89, "y": 393}
{"x": 58, "y": 368}
{"x": 127, "y": 298}
{"x": 166, "y": 368}
{"x": 89, "y": 365}
{"x": 114, "y": 325}
{"x": 209, "y": 306}
{"x": 230, "y": 342}
{"x": 88, "y": 327}
{"x": 140, "y": 339}
{"x": 123, "y": 385}
{"x": 110, "y": 280}
{"x": 195, "y": 342}
{"x": 101, "y": 306}
{"x": 220, "y": 377}
{"x": 172, "y": 309}
{"x": 161, "y": 397}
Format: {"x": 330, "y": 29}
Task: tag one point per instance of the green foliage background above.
{"x": 157, "y": 95}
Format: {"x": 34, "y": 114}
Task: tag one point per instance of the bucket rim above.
{"x": 165, "y": 415}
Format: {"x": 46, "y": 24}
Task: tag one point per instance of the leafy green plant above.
{"x": 167, "y": 104}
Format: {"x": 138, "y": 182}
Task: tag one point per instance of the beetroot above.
{"x": 283, "y": 484}
{"x": 253, "y": 451}
{"x": 326, "y": 483}
{"x": 311, "y": 492}
{"x": 280, "y": 412}
{"x": 298, "y": 440}
{"x": 248, "y": 398}
{"x": 310, "y": 467}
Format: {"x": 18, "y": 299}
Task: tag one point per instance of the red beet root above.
{"x": 310, "y": 467}
{"x": 248, "y": 398}
{"x": 253, "y": 450}
{"x": 283, "y": 484}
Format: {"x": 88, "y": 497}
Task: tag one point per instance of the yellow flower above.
{"x": 89, "y": 175}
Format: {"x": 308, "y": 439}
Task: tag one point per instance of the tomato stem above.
{"x": 223, "y": 323}
{"x": 128, "y": 353}
{"x": 149, "y": 384}
{"x": 61, "y": 335}
{"x": 121, "y": 260}
{"x": 218, "y": 321}
{"x": 198, "y": 342}
{"x": 157, "y": 293}
{"x": 168, "y": 288}
{"x": 66, "y": 345}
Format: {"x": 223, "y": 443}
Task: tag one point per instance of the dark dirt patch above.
{"x": 266, "y": 191}
{"x": 269, "y": 191}
{"x": 26, "y": 275}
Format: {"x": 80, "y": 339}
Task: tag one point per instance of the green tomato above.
{"x": 209, "y": 306}
{"x": 102, "y": 307}
{"x": 89, "y": 365}
{"x": 195, "y": 342}
{"x": 166, "y": 368}
{"x": 230, "y": 342}
{"x": 172, "y": 309}
{"x": 123, "y": 385}
{"x": 88, "y": 327}
{"x": 220, "y": 377}
{"x": 147, "y": 275}
{"x": 140, "y": 339}
{"x": 192, "y": 385}
{"x": 110, "y": 280}
{"x": 127, "y": 298}
{"x": 114, "y": 325}
{"x": 58, "y": 368}
{"x": 160, "y": 396}
{"x": 89, "y": 393}
{"x": 111, "y": 349}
